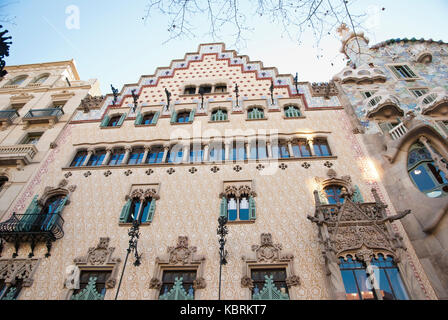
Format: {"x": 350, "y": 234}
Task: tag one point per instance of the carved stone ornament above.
{"x": 180, "y": 257}
{"x": 268, "y": 254}
{"x": 21, "y": 98}
{"x": 142, "y": 194}
{"x": 18, "y": 269}
{"x": 90, "y": 103}
{"x": 362, "y": 230}
{"x": 237, "y": 191}
{"x": 72, "y": 274}
{"x": 100, "y": 257}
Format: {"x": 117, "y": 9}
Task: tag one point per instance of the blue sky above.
{"x": 114, "y": 45}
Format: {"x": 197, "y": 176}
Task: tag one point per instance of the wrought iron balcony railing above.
{"x": 32, "y": 228}
{"x": 44, "y": 113}
{"x": 8, "y": 115}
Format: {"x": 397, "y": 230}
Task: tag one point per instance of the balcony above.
{"x": 435, "y": 102}
{"x": 19, "y": 154}
{"x": 32, "y": 228}
{"x": 50, "y": 115}
{"x": 7, "y": 117}
{"x": 398, "y": 131}
{"x": 383, "y": 105}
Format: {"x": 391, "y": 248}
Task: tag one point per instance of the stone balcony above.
{"x": 360, "y": 75}
{"x": 383, "y": 105}
{"x": 50, "y": 115}
{"x": 7, "y": 117}
{"x": 20, "y": 154}
{"x": 435, "y": 102}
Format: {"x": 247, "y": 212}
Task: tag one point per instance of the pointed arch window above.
{"x": 426, "y": 173}
{"x": 238, "y": 204}
{"x": 92, "y": 285}
{"x": 269, "y": 284}
{"x": 177, "y": 285}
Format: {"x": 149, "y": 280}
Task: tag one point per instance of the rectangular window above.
{"x": 196, "y": 154}
{"x": 94, "y": 284}
{"x": 169, "y": 279}
{"x": 367, "y": 94}
{"x": 419, "y": 92}
{"x": 403, "y": 72}
{"x": 32, "y": 138}
{"x": 278, "y": 276}
{"x": 136, "y": 156}
{"x": 238, "y": 151}
{"x": 155, "y": 155}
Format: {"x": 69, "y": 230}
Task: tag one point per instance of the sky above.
{"x": 114, "y": 44}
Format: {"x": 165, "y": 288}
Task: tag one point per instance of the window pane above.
{"x": 244, "y": 208}
{"x": 232, "y": 209}
{"x": 397, "y": 284}
{"x": 422, "y": 178}
{"x": 351, "y": 289}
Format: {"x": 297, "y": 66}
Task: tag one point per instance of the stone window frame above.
{"x": 142, "y": 191}
{"x": 259, "y": 106}
{"x": 237, "y": 187}
{"x": 98, "y": 258}
{"x": 292, "y": 104}
{"x": 268, "y": 255}
{"x": 23, "y": 269}
{"x": 181, "y": 257}
{"x": 390, "y": 67}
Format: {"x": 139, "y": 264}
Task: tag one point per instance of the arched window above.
{"x": 196, "y": 153}
{"x": 292, "y": 112}
{"x": 116, "y": 157}
{"x": 79, "y": 159}
{"x": 321, "y": 148}
{"x": 217, "y": 152}
{"x": 175, "y": 154}
{"x": 136, "y": 156}
{"x": 255, "y": 113}
{"x": 41, "y": 79}
{"x": 280, "y": 151}
{"x": 155, "y": 155}
{"x": 17, "y": 81}
{"x": 3, "y": 180}
{"x": 425, "y": 173}
{"x": 333, "y": 194}
{"x": 301, "y": 149}
{"x": 238, "y": 151}
{"x": 219, "y": 115}
{"x": 385, "y": 273}
{"x": 258, "y": 149}
{"x": 190, "y": 90}
{"x": 97, "y": 158}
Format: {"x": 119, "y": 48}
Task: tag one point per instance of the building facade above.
{"x": 37, "y": 101}
{"x": 214, "y": 135}
{"x": 396, "y": 95}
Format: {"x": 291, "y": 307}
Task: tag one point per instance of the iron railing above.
{"x": 32, "y": 228}
{"x": 8, "y": 115}
{"x": 44, "y": 113}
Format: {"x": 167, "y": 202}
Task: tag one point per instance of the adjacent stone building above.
{"x": 213, "y": 135}
{"x": 396, "y": 95}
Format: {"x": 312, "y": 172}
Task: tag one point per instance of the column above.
{"x": 107, "y": 157}
{"x": 145, "y": 155}
{"x": 248, "y": 149}
{"x": 206, "y": 153}
{"x": 166, "y": 148}
{"x": 90, "y": 151}
{"x": 127, "y": 154}
{"x": 186, "y": 153}
{"x": 227, "y": 149}
{"x": 310, "y": 144}
{"x": 437, "y": 159}
{"x": 291, "y": 151}
{"x": 268, "y": 146}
